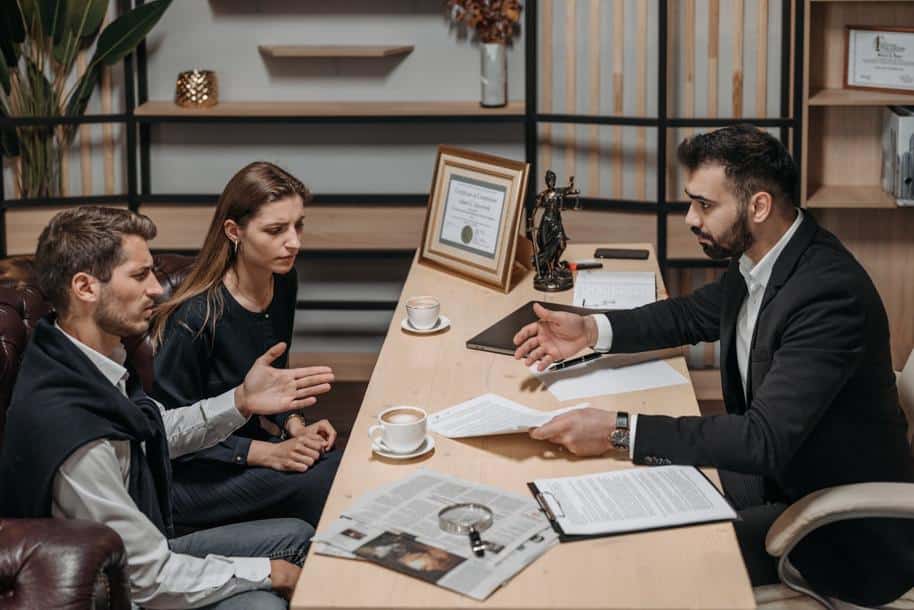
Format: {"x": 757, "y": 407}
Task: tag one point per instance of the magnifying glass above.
{"x": 467, "y": 518}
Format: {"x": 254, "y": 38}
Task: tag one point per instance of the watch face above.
{"x": 622, "y": 420}
{"x": 619, "y": 438}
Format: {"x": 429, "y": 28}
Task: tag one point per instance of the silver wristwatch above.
{"x": 619, "y": 437}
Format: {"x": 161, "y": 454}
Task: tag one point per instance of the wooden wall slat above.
{"x": 571, "y": 85}
{"x": 713, "y": 54}
{"x": 761, "y": 65}
{"x": 593, "y": 45}
{"x": 641, "y": 103}
{"x": 545, "y": 134}
{"x": 739, "y": 10}
{"x": 618, "y": 159}
{"x": 85, "y": 138}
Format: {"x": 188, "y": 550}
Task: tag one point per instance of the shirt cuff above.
{"x": 253, "y": 569}
{"x": 604, "y": 333}
{"x": 632, "y": 424}
{"x": 240, "y": 450}
{"x": 221, "y": 410}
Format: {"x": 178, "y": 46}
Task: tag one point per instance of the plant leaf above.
{"x": 12, "y": 21}
{"x": 5, "y": 77}
{"x": 55, "y": 11}
{"x": 86, "y": 16}
{"x": 79, "y": 99}
{"x": 124, "y": 33}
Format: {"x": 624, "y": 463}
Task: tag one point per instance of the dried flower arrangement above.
{"x": 493, "y": 20}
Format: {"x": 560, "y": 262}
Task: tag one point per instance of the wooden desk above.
{"x": 696, "y": 567}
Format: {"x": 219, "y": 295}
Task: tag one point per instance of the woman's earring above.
{"x": 235, "y": 245}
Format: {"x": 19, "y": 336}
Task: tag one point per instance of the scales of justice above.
{"x": 545, "y": 231}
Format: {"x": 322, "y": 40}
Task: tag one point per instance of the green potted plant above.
{"x": 40, "y": 41}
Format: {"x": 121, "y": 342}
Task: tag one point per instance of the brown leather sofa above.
{"x": 57, "y": 563}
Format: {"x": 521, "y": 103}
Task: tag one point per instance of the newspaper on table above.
{"x": 396, "y": 526}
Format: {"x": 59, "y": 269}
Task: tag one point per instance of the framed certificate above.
{"x": 879, "y": 58}
{"x": 474, "y": 208}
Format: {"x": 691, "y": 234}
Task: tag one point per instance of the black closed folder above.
{"x": 499, "y": 337}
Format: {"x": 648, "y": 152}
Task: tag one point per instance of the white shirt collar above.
{"x": 112, "y": 368}
{"x": 758, "y": 274}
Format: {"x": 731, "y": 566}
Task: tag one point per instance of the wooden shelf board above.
{"x": 856, "y": 97}
{"x": 331, "y": 109}
{"x": 333, "y": 51}
{"x": 850, "y": 196}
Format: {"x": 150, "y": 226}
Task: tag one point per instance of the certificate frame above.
{"x": 473, "y": 216}
{"x": 855, "y": 52}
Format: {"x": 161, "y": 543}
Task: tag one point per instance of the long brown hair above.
{"x": 250, "y": 189}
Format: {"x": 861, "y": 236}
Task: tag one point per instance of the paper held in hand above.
{"x": 490, "y": 414}
{"x": 630, "y": 500}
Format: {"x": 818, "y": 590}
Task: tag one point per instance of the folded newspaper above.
{"x": 396, "y": 526}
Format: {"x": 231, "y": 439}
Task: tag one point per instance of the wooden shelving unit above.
{"x": 304, "y": 51}
{"x": 842, "y": 128}
{"x": 331, "y": 109}
{"x": 842, "y": 157}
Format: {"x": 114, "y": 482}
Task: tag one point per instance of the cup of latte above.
{"x": 399, "y": 429}
{"x": 422, "y": 312}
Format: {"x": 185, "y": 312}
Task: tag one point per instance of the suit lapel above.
{"x": 783, "y": 269}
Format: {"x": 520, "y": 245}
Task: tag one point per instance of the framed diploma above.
{"x": 879, "y": 58}
{"x": 474, "y": 208}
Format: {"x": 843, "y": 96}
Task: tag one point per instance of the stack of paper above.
{"x": 490, "y": 414}
{"x": 604, "y": 376}
{"x": 396, "y": 526}
{"x": 614, "y": 289}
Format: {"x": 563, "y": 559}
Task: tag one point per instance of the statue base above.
{"x": 560, "y": 280}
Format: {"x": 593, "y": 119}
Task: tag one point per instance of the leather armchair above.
{"x": 57, "y": 563}
{"x": 894, "y": 500}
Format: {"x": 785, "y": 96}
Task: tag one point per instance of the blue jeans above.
{"x": 286, "y": 539}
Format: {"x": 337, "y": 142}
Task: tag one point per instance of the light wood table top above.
{"x": 694, "y": 567}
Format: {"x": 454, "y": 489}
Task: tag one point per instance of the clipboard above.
{"x": 554, "y": 516}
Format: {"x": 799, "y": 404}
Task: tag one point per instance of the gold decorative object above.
{"x": 197, "y": 89}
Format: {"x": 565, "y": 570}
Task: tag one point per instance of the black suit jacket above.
{"x": 822, "y": 407}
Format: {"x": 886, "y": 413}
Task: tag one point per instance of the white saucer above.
{"x": 443, "y": 322}
{"x": 427, "y": 445}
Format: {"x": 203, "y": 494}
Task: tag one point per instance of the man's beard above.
{"x": 116, "y": 321}
{"x": 735, "y": 241}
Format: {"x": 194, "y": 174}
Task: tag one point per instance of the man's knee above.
{"x": 295, "y": 532}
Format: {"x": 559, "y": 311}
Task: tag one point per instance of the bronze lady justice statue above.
{"x": 549, "y": 238}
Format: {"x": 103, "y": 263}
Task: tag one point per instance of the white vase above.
{"x": 494, "y": 75}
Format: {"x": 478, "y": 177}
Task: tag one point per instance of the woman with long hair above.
{"x": 237, "y": 300}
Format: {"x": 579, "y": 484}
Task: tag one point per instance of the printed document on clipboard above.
{"x": 614, "y": 289}
{"x": 629, "y": 500}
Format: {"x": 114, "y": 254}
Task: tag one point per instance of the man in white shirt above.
{"x": 83, "y": 441}
{"x": 805, "y": 366}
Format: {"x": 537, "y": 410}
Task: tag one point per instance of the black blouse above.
{"x": 191, "y": 365}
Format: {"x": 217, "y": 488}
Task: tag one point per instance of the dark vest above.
{"x": 60, "y": 402}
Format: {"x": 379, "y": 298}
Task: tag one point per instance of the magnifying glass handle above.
{"x": 476, "y": 543}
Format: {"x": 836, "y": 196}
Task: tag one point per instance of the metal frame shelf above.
{"x": 139, "y": 137}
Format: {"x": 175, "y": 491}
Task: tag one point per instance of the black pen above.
{"x": 564, "y": 364}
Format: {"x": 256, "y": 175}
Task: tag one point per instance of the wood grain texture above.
{"x": 85, "y": 137}
{"x": 739, "y": 10}
{"x": 331, "y": 109}
{"x": 547, "y": 83}
{"x": 713, "y": 55}
{"x": 571, "y": 89}
{"x": 761, "y": 61}
{"x": 618, "y": 157}
{"x": 594, "y": 86}
{"x": 695, "y": 567}
{"x": 333, "y": 51}
{"x": 641, "y": 102}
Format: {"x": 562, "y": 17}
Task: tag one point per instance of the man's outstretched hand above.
{"x": 267, "y": 390}
{"x": 555, "y": 336}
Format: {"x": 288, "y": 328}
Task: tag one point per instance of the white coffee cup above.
{"x": 402, "y": 429}
{"x": 422, "y": 312}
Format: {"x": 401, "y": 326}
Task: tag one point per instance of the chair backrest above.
{"x": 906, "y": 393}
{"x": 22, "y": 304}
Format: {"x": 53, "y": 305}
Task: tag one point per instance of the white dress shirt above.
{"x": 756, "y": 276}
{"x": 92, "y": 484}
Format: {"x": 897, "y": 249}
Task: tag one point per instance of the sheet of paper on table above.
{"x": 490, "y": 414}
{"x": 605, "y": 376}
{"x": 614, "y": 289}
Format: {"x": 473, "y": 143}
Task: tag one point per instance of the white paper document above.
{"x": 631, "y": 500}
{"x": 614, "y": 289}
{"x": 490, "y": 414}
{"x": 604, "y": 376}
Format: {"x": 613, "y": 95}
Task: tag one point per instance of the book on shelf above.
{"x": 898, "y": 153}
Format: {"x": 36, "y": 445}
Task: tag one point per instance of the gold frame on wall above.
{"x": 474, "y": 210}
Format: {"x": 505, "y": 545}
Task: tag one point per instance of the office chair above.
{"x": 826, "y": 506}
